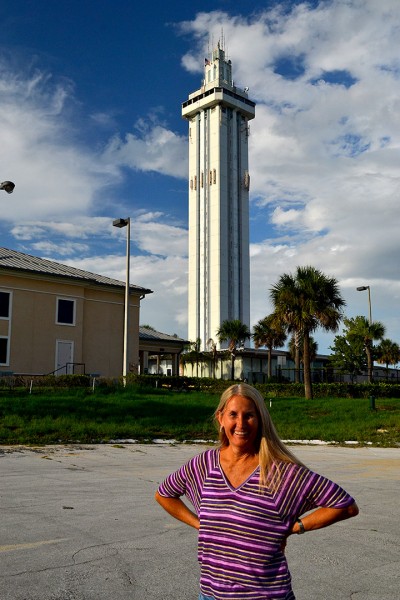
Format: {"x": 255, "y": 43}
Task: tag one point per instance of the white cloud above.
{"x": 325, "y": 141}
{"x": 54, "y": 173}
{"x": 154, "y": 149}
{"x": 166, "y": 308}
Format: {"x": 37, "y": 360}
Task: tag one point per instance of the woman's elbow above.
{"x": 353, "y": 510}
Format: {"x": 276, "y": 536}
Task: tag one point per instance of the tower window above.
{"x": 195, "y": 182}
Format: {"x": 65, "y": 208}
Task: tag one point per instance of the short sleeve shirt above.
{"x": 242, "y": 529}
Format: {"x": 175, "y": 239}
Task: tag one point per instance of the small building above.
{"x": 251, "y": 365}
{"x": 59, "y": 319}
{"x": 159, "y": 352}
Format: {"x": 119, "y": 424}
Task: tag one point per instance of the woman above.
{"x": 248, "y": 496}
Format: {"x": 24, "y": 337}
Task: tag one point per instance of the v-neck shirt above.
{"x": 242, "y": 529}
{"x": 226, "y": 478}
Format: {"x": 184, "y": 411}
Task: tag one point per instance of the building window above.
{"x": 3, "y": 351}
{"x": 4, "y": 305}
{"x": 65, "y": 312}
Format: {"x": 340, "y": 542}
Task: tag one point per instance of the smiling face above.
{"x": 240, "y": 421}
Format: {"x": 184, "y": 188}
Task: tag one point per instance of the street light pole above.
{"x": 126, "y": 223}
{"x": 362, "y": 288}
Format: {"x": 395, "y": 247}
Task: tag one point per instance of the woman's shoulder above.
{"x": 290, "y": 469}
{"x": 207, "y": 457}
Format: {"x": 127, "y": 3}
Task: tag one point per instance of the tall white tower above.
{"x": 219, "y": 266}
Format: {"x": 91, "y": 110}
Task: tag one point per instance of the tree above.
{"x": 388, "y": 353}
{"x": 267, "y": 332}
{"x": 360, "y": 328}
{"x": 295, "y": 348}
{"x": 193, "y": 356}
{"x": 348, "y": 355}
{"x": 214, "y": 354}
{"x": 303, "y": 302}
{"x": 235, "y": 333}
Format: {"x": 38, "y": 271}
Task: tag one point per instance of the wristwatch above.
{"x": 301, "y": 526}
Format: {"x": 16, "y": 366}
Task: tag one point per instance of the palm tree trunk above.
{"x": 233, "y": 366}
{"x": 297, "y": 357}
{"x": 269, "y": 363}
{"x": 307, "y": 367}
{"x": 368, "y": 351}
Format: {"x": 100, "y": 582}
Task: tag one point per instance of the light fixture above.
{"x": 7, "y": 186}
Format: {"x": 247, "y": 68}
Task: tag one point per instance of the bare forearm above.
{"x": 178, "y": 509}
{"x": 323, "y": 517}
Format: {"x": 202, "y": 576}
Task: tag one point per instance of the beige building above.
{"x": 55, "y": 318}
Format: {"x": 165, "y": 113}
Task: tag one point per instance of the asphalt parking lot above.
{"x": 80, "y": 523}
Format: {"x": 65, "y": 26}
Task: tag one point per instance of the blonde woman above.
{"x": 248, "y": 496}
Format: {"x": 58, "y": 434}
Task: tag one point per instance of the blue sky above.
{"x": 90, "y": 99}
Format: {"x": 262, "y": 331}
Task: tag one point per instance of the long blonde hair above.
{"x": 271, "y": 450}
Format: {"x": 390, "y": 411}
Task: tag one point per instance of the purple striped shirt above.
{"x": 241, "y": 529}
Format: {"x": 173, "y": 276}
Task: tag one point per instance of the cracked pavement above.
{"x": 79, "y": 522}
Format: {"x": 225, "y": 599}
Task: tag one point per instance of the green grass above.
{"x": 85, "y": 417}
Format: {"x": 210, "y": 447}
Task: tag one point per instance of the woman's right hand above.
{"x": 178, "y": 509}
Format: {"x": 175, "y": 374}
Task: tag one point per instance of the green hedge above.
{"x": 217, "y": 386}
{"x": 290, "y": 390}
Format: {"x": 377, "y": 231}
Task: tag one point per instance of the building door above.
{"x": 64, "y": 357}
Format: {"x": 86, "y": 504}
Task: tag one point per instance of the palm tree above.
{"x": 194, "y": 355}
{"x": 267, "y": 332}
{"x": 296, "y": 350}
{"x": 360, "y": 327}
{"x": 303, "y": 302}
{"x": 234, "y": 332}
{"x": 388, "y": 353}
{"x": 214, "y": 353}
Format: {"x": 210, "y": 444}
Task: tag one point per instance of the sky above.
{"x": 91, "y": 130}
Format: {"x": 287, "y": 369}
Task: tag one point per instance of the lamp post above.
{"x": 363, "y": 288}
{"x": 126, "y": 223}
{"x": 7, "y": 186}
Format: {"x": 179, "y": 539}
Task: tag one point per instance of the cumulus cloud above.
{"x": 325, "y": 141}
{"x": 40, "y": 149}
{"x": 154, "y": 148}
{"x": 166, "y": 308}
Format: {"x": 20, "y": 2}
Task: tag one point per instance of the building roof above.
{"x": 149, "y": 334}
{"x": 18, "y": 261}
